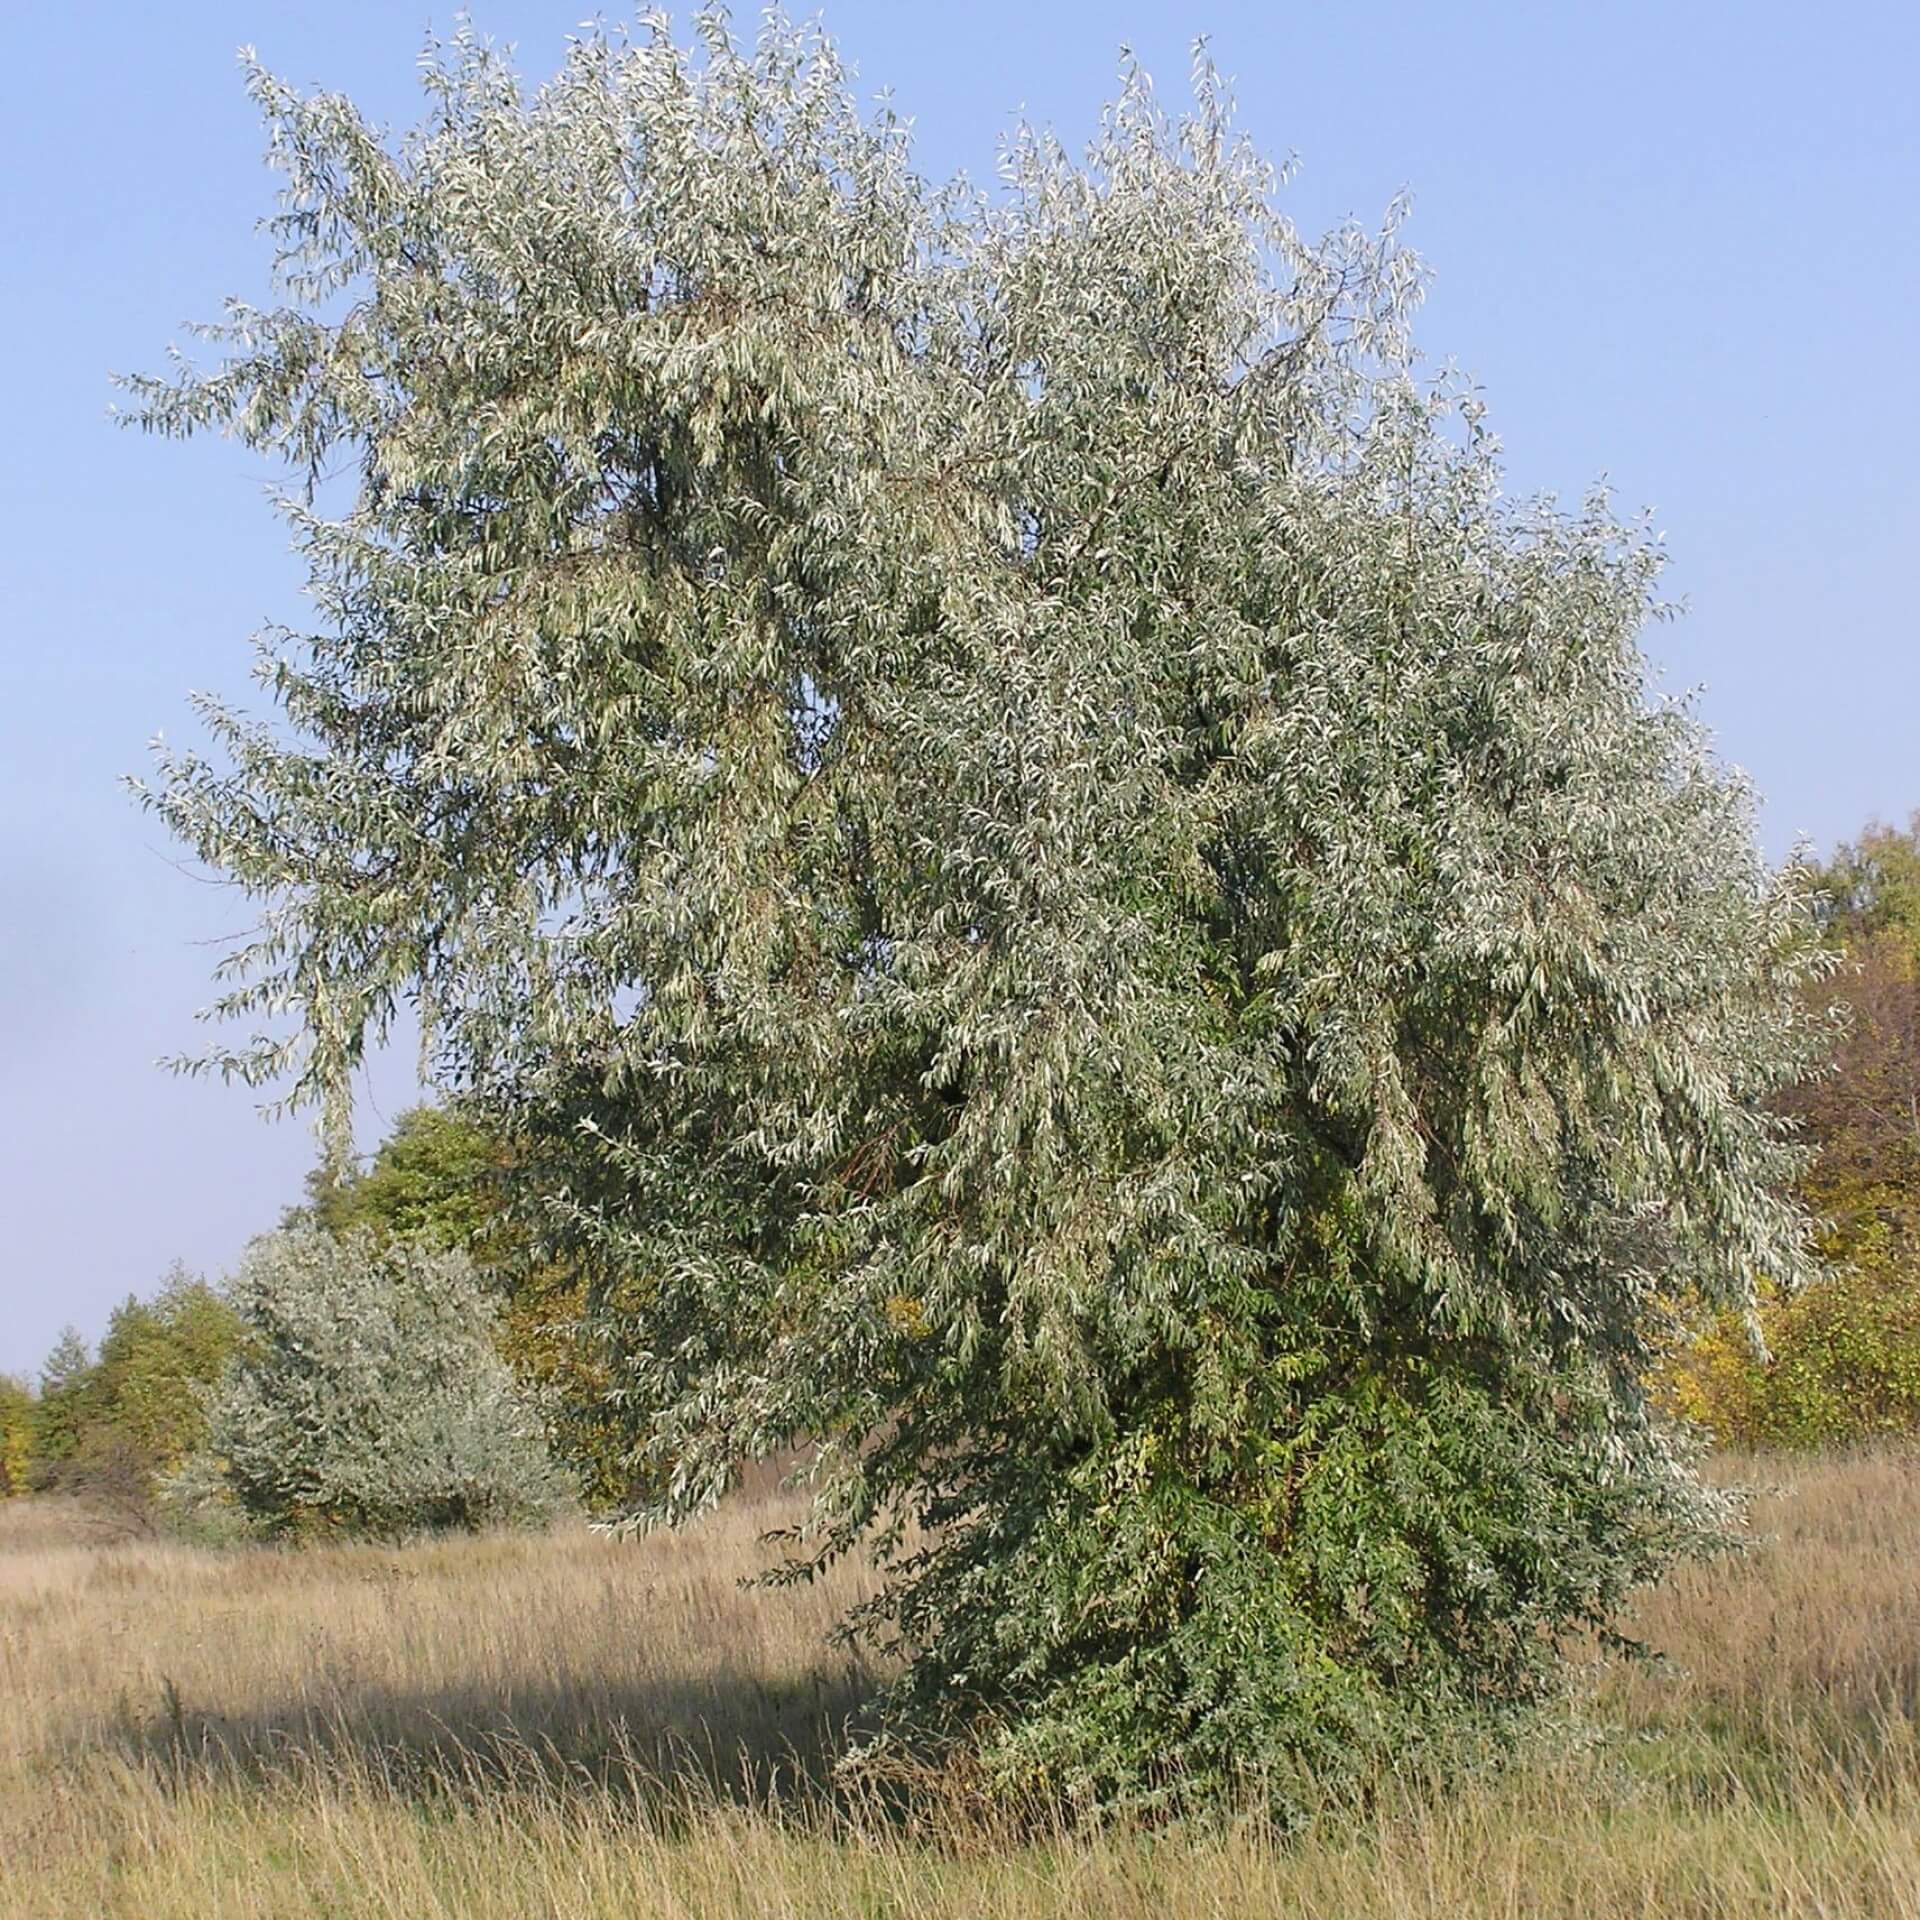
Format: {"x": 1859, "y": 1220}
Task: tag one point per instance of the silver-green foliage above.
{"x": 366, "y": 1398}
{"x": 1103, "y": 931}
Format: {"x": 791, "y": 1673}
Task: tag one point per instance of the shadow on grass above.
{"x": 665, "y": 1748}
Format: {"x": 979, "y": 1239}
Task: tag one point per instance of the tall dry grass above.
{"x": 582, "y": 1727}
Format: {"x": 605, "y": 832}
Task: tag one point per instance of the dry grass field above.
{"x": 581, "y": 1726}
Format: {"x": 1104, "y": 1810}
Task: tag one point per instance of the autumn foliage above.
{"x": 1841, "y": 1359}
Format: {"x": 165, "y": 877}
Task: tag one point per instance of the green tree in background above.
{"x": 62, "y": 1407}
{"x": 997, "y": 785}
{"x": 438, "y": 1176}
{"x": 106, "y": 1426}
{"x": 157, "y": 1360}
{"x": 1865, "y": 1112}
{"x": 17, "y": 1422}
{"x": 1871, "y": 886}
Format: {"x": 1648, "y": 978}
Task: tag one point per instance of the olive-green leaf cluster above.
{"x": 107, "y": 1427}
{"x": 16, "y": 1437}
{"x": 1107, "y": 938}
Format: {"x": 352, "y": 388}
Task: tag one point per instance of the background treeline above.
{"x": 110, "y": 1423}
{"x": 326, "y": 1386}
{"x": 135, "y": 1426}
{"x": 1842, "y": 1357}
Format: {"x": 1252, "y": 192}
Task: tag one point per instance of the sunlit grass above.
{"x": 574, "y": 1725}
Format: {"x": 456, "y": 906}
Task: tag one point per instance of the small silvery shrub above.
{"x": 195, "y": 1504}
{"x": 367, "y": 1398}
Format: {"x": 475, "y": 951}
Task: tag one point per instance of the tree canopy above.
{"x": 106, "y": 1425}
{"x": 437, "y": 1176}
{"x": 1871, "y": 886}
{"x": 156, "y": 1361}
{"x": 63, "y": 1404}
{"x": 1115, "y": 930}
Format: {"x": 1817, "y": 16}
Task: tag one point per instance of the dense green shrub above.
{"x": 1838, "y": 1364}
{"x": 366, "y": 1397}
{"x": 1114, "y": 928}
{"x": 1845, "y": 1361}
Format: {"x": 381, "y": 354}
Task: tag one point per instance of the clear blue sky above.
{"x": 1675, "y": 242}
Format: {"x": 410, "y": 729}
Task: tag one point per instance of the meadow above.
{"x": 575, "y": 1725}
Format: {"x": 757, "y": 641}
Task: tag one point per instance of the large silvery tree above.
{"x": 1101, "y": 932}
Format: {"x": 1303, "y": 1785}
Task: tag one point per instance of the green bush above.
{"x": 1846, "y": 1361}
{"x": 1842, "y": 1365}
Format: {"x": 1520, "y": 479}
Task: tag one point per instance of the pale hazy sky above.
{"x": 1675, "y": 242}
